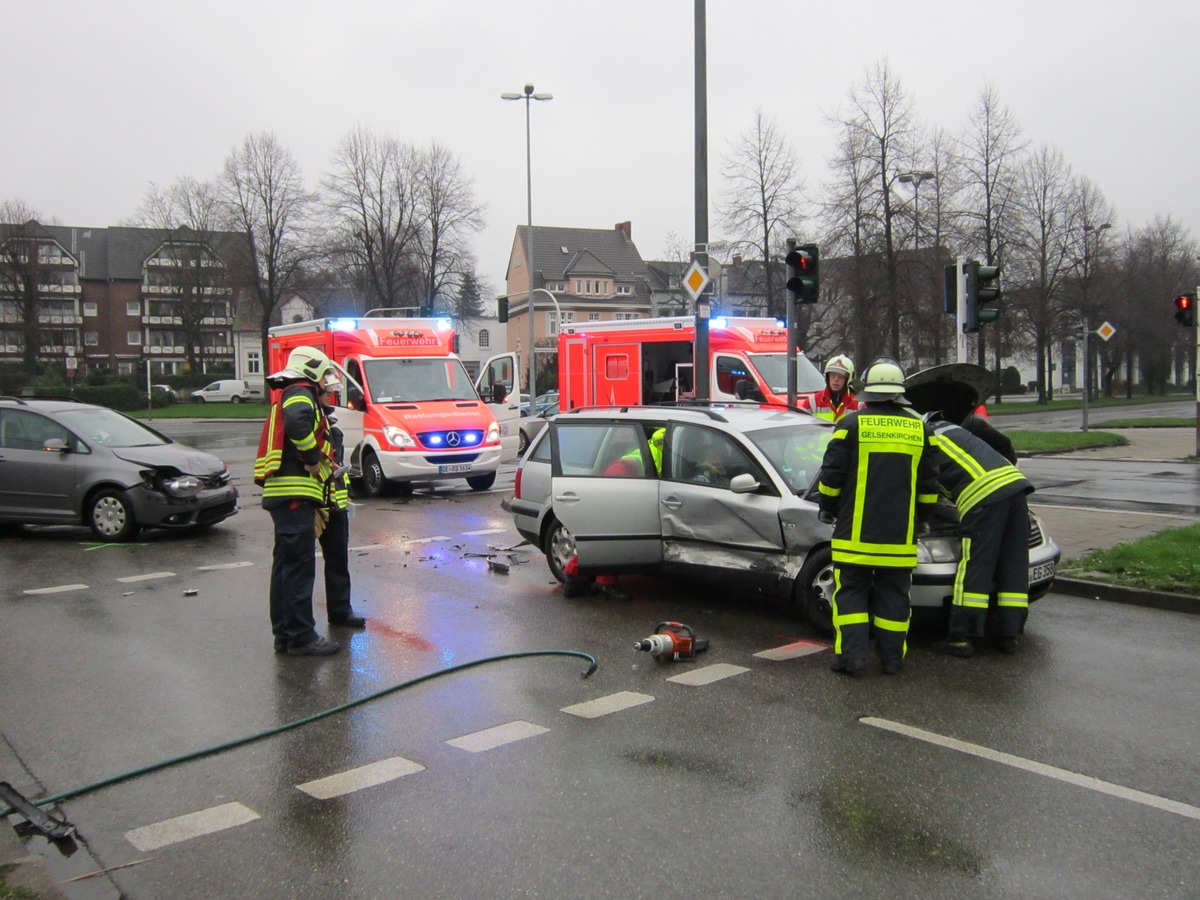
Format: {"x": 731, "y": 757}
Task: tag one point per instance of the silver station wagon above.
{"x": 731, "y": 504}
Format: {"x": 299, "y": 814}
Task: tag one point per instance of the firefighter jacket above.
{"x": 831, "y": 407}
{"x": 878, "y": 477}
{"x": 295, "y": 434}
{"x": 972, "y": 473}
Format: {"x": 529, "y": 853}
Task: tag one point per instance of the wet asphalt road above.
{"x": 779, "y": 779}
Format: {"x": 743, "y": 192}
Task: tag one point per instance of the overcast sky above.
{"x": 100, "y": 99}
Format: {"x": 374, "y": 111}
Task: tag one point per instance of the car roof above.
{"x": 49, "y": 404}
{"x": 743, "y": 417}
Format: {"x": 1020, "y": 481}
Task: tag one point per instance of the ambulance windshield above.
{"x": 418, "y": 380}
{"x": 772, "y": 367}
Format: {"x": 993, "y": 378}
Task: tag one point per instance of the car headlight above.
{"x": 493, "y": 433}
{"x": 398, "y": 437}
{"x": 182, "y": 486}
{"x": 938, "y": 550}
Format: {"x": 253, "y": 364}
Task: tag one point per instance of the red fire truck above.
{"x": 636, "y": 361}
{"x": 408, "y": 408}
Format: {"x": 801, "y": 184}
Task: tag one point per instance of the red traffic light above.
{"x": 1185, "y": 309}
{"x": 1183, "y": 302}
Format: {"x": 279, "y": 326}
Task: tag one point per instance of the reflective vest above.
{"x": 294, "y": 434}
{"x": 826, "y": 406}
{"x": 879, "y": 469}
{"x": 971, "y": 473}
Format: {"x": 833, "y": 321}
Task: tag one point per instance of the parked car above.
{"x": 164, "y": 392}
{"x": 224, "y": 391}
{"x": 734, "y": 504}
{"x": 69, "y": 463}
{"x": 531, "y": 426}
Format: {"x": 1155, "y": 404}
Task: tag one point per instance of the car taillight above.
{"x": 517, "y": 482}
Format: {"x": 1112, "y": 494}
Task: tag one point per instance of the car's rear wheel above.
{"x": 373, "y": 480}
{"x": 560, "y": 547}
{"x": 482, "y": 482}
{"x": 522, "y": 444}
{"x": 813, "y": 590}
{"x": 110, "y": 516}
{"x": 235, "y": 399}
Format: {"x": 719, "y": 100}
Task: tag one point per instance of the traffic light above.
{"x": 803, "y": 277}
{"x": 1185, "y": 309}
{"x": 950, "y": 301}
{"x": 502, "y": 309}
{"x": 983, "y": 293}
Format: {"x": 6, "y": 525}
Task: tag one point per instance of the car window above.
{"x": 704, "y": 456}
{"x": 24, "y": 430}
{"x": 794, "y": 451}
{"x": 607, "y": 449}
{"x": 110, "y": 429}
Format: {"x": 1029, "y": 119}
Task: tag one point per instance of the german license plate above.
{"x": 454, "y": 469}
{"x": 1042, "y": 572}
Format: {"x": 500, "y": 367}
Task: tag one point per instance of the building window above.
{"x": 485, "y": 338}
{"x": 253, "y": 363}
{"x": 624, "y": 289}
{"x": 133, "y": 338}
{"x": 593, "y": 317}
{"x": 621, "y": 317}
{"x": 91, "y": 338}
{"x": 90, "y": 309}
{"x": 455, "y": 345}
{"x": 133, "y": 308}
{"x": 579, "y": 287}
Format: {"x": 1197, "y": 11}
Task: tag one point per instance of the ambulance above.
{"x": 636, "y": 361}
{"x": 408, "y": 409}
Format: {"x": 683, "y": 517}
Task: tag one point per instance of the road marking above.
{"x": 429, "y": 540}
{"x": 367, "y": 547}
{"x": 792, "y": 651}
{"x": 149, "y": 576}
{"x": 193, "y": 825}
{"x": 484, "y": 531}
{"x": 363, "y": 777}
{"x": 1028, "y": 765}
{"x": 708, "y": 674}
{"x": 491, "y": 738}
{"x": 57, "y": 590}
{"x": 236, "y": 565}
{"x": 602, "y": 706}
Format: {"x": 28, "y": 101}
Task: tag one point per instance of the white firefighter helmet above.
{"x": 307, "y": 364}
{"x": 842, "y": 365}
{"x": 882, "y": 381}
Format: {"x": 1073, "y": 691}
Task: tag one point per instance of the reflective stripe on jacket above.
{"x": 971, "y": 473}
{"x": 295, "y": 434}
{"x": 826, "y": 406}
{"x": 879, "y": 470}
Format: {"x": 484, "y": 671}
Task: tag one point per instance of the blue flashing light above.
{"x": 436, "y": 440}
{"x": 343, "y": 324}
{"x": 720, "y": 322}
{"x": 443, "y": 324}
{"x": 779, "y": 323}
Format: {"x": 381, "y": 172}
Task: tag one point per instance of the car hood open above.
{"x": 954, "y": 389}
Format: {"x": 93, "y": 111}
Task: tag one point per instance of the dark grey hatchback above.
{"x": 69, "y": 463}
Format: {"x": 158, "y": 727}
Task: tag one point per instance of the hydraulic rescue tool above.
{"x": 672, "y": 640}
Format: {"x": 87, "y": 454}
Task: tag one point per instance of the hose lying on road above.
{"x": 279, "y": 729}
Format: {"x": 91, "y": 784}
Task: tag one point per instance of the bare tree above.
{"x": 762, "y": 204}
{"x": 23, "y": 269}
{"x": 267, "y": 200}
{"x": 446, "y": 201}
{"x": 373, "y": 193}
{"x": 188, "y": 217}
{"x": 1091, "y": 217}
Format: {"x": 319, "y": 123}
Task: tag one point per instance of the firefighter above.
{"x": 294, "y": 464}
{"x": 334, "y": 537}
{"x": 878, "y": 480}
{"x": 990, "y": 495}
{"x": 837, "y": 399}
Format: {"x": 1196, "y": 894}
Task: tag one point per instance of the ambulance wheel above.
{"x": 482, "y": 482}
{"x": 560, "y": 547}
{"x": 813, "y": 591}
{"x": 374, "y": 483}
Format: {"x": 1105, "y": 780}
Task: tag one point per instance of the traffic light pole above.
{"x": 1196, "y": 379}
{"x": 960, "y": 317}
{"x": 1087, "y": 387}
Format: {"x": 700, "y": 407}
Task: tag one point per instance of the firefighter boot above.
{"x": 854, "y": 666}
{"x": 955, "y": 645}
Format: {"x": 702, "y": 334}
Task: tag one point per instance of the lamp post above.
{"x": 528, "y": 95}
{"x": 915, "y": 179}
{"x": 1083, "y": 289}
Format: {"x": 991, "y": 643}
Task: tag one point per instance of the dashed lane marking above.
{"x": 368, "y": 547}
{"x": 59, "y": 589}
{"x": 602, "y": 706}
{"x": 236, "y": 565}
{"x": 352, "y": 780}
{"x": 490, "y": 738}
{"x": 708, "y": 674}
{"x": 791, "y": 651}
{"x": 429, "y": 540}
{"x": 1029, "y": 765}
{"x": 184, "y": 828}
{"x": 149, "y": 576}
{"x": 484, "y": 531}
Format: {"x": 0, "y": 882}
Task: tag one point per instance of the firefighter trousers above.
{"x": 864, "y": 596}
{"x": 995, "y": 555}
{"x": 335, "y": 552}
{"x": 293, "y": 568}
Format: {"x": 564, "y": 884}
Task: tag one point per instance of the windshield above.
{"x": 416, "y": 380}
{"x": 772, "y": 367}
{"x": 103, "y": 426}
{"x": 795, "y": 451}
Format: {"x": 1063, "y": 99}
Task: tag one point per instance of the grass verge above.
{"x": 249, "y": 410}
{"x": 1166, "y": 561}
{"x": 1063, "y": 441}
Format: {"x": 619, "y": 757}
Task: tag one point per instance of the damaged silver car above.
{"x": 719, "y": 492}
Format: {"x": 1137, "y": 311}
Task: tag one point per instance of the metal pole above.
{"x": 1196, "y": 379}
{"x": 1086, "y": 367}
{"x": 961, "y": 315}
{"x": 529, "y": 260}
{"x": 700, "y": 380}
{"x": 792, "y": 372}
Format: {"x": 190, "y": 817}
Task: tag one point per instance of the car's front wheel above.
{"x": 198, "y": 399}
{"x": 482, "y": 482}
{"x": 560, "y": 547}
{"x": 373, "y": 480}
{"x": 110, "y": 516}
{"x": 813, "y": 590}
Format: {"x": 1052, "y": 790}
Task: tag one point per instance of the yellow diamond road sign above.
{"x": 1106, "y": 331}
{"x": 695, "y": 279}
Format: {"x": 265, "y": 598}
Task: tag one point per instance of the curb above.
{"x": 27, "y": 872}
{"x": 1115, "y": 593}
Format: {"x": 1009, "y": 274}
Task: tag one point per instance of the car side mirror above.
{"x": 744, "y": 484}
{"x": 55, "y": 445}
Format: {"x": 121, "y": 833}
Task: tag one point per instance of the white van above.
{"x": 227, "y": 391}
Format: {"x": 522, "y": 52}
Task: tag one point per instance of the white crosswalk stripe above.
{"x": 708, "y": 674}
{"x": 490, "y": 738}
{"x": 352, "y": 780}
{"x": 192, "y": 825}
{"x": 602, "y": 706}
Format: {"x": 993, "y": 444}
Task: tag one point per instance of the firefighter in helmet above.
{"x": 878, "y": 479}
{"x": 837, "y": 398}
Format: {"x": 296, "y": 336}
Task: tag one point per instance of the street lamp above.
{"x": 915, "y": 179}
{"x": 1083, "y": 289}
{"x": 527, "y": 96}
